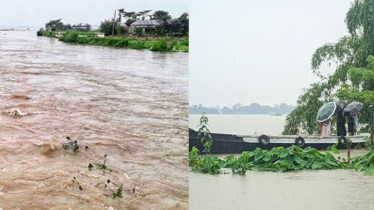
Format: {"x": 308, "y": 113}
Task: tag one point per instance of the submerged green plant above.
{"x": 90, "y": 166}
{"x": 238, "y": 165}
{"x": 103, "y": 166}
{"x": 205, "y": 164}
{"x": 364, "y": 163}
{"x": 73, "y": 145}
{"x": 118, "y": 192}
{"x": 278, "y": 159}
{"x": 204, "y": 134}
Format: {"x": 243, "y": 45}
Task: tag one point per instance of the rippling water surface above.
{"x": 130, "y": 105}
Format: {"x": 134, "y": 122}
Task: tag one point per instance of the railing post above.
{"x": 348, "y": 150}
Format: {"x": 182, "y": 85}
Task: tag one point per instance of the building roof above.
{"x": 146, "y": 23}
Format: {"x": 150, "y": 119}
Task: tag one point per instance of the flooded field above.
{"x": 307, "y": 190}
{"x": 129, "y": 105}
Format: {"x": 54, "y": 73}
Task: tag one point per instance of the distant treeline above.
{"x": 253, "y": 108}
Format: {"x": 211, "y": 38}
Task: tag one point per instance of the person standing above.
{"x": 340, "y": 124}
{"x": 355, "y": 124}
{"x": 351, "y": 122}
{"x": 326, "y": 128}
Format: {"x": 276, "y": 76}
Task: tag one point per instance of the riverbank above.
{"x": 165, "y": 44}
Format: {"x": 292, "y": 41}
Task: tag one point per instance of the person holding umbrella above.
{"x": 324, "y": 116}
{"x": 340, "y": 123}
{"x": 351, "y": 110}
{"x": 355, "y": 123}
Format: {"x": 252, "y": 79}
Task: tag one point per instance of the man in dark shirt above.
{"x": 351, "y": 125}
{"x": 340, "y": 124}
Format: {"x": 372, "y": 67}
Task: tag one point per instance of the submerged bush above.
{"x": 238, "y": 165}
{"x": 364, "y": 163}
{"x": 70, "y": 36}
{"x": 50, "y": 34}
{"x": 278, "y": 159}
{"x": 205, "y": 164}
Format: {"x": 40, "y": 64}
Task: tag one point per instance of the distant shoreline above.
{"x": 238, "y": 109}
{"x": 14, "y": 29}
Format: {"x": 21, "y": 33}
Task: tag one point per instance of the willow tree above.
{"x": 353, "y": 78}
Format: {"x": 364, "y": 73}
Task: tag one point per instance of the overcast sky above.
{"x": 38, "y": 12}
{"x": 244, "y": 51}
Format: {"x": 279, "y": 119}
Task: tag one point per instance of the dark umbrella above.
{"x": 326, "y": 111}
{"x": 352, "y": 108}
{"x": 340, "y": 105}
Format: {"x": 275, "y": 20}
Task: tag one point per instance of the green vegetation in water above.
{"x": 278, "y": 159}
{"x": 49, "y": 34}
{"x": 103, "y": 166}
{"x": 90, "y": 166}
{"x": 116, "y": 193}
{"x": 238, "y": 165}
{"x": 204, "y": 164}
{"x": 72, "y": 144}
{"x": 364, "y": 163}
{"x": 153, "y": 43}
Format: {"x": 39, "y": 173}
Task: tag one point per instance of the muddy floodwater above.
{"x": 129, "y": 105}
{"x": 306, "y": 190}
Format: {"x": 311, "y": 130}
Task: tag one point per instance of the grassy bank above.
{"x": 151, "y": 43}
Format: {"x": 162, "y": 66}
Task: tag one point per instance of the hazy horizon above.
{"x": 21, "y": 13}
{"x": 258, "y": 51}
{"x": 221, "y": 106}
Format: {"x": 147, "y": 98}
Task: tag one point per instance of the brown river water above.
{"x": 129, "y": 105}
{"x": 303, "y": 190}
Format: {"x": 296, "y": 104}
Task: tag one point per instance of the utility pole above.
{"x": 372, "y": 116}
{"x": 114, "y": 22}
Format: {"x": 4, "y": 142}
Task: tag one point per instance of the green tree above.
{"x": 162, "y": 16}
{"x": 178, "y": 26}
{"x": 131, "y": 17}
{"x": 184, "y": 24}
{"x": 54, "y": 25}
{"x": 106, "y": 27}
{"x": 353, "y": 78}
